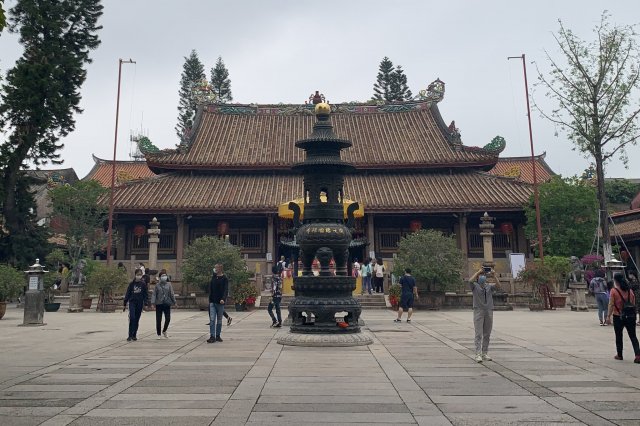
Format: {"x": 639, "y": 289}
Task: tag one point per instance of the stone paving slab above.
{"x": 550, "y": 368}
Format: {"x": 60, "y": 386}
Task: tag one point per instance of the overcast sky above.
{"x": 281, "y": 51}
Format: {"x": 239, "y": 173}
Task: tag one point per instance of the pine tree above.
{"x": 192, "y": 74}
{"x": 400, "y": 91}
{"x": 41, "y": 94}
{"x": 220, "y": 82}
{"x": 382, "y": 86}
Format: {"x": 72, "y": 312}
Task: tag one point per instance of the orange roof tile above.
{"x": 125, "y": 171}
{"x": 242, "y": 137}
{"x": 384, "y": 192}
{"x": 521, "y": 168}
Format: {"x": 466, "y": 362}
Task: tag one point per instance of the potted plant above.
{"x": 199, "y": 259}
{"x": 107, "y": 281}
{"x": 51, "y": 284}
{"x": 435, "y": 262}
{"x": 12, "y": 283}
{"x": 559, "y": 267}
{"x": 244, "y": 294}
{"x": 536, "y": 275}
{"x": 394, "y": 296}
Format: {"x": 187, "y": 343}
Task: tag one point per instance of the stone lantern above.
{"x": 324, "y": 311}
{"x": 34, "y": 297}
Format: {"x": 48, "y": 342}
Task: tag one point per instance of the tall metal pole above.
{"x": 536, "y": 195}
{"x": 113, "y": 164}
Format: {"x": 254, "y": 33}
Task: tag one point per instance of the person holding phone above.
{"x": 482, "y": 311}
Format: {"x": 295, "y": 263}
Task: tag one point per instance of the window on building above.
{"x": 140, "y": 245}
{"x": 501, "y": 241}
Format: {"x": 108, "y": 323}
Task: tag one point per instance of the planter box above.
{"x": 241, "y": 307}
{"x": 107, "y": 307}
{"x": 86, "y": 302}
{"x": 3, "y": 309}
{"x": 559, "y": 301}
{"x": 202, "y": 302}
{"x": 186, "y": 302}
{"x": 536, "y": 307}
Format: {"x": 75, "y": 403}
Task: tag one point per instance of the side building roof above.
{"x": 125, "y": 171}
{"x": 521, "y": 169}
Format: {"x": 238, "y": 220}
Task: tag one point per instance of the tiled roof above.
{"x": 262, "y": 137}
{"x": 521, "y": 169}
{"x": 626, "y": 225}
{"x": 384, "y": 192}
{"x": 125, "y": 171}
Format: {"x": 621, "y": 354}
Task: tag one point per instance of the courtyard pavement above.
{"x": 548, "y": 368}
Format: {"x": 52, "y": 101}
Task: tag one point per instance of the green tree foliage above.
{"x": 435, "y": 260}
{"x": 568, "y": 215}
{"x": 40, "y": 95}
{"x": 220, "y": 82}
{"x": 620, "y": 191}
{"x": 3, "y": 18}
{"x": 204, "y": 253}
{"x": 391, "y": 83}
{"x": 22, "y": 248}
{"x": 12, "y": 282}
{"x": 83, "y": 215}
{"x": 192, "y": 74}
{"x": 595, "y": 88}
{"x": 399, "y": 88}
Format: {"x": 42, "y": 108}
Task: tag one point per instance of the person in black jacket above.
{"x": 137, "y": 295}
{"x": 218, "y": 292}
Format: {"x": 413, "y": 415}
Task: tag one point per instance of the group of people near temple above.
{"x": 372, "y": 272}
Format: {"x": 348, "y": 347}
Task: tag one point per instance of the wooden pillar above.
{"x": 179, "y": 245}
{"x": 271, "y": 243}
{"x": 121, "y": 232}
{"x": 522, "y": 239}
{"x": 371, "y": 236}
{"x": 462, "y": 235}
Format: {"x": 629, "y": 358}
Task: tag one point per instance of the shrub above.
{"x": 434, "y": 259}
{"x": 107, "y": 281}
{"x": 535, "y": 275}
{"x": 203, "y": 254}
{"x": 394, "y": 294}
{"x": 12, "y": 282}
{"x": 244, "y": 292}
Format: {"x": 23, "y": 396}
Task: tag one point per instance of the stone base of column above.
{"x": 33, "y": 309}
{"x": 326, "y": 340}
{"x": 578, "y": 299}
{"x": 75, "y": 298}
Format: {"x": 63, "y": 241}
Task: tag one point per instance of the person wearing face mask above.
{"x": 137, "y": 296}
{"x": 218, "y": 293}
{"x": 482, "y": 312}
{"x": 163, "y": 297}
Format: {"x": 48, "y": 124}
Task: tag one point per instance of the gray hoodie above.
{"x": 163, "y": 294}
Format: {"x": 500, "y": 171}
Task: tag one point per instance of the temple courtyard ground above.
{"x": 548, "y": 368}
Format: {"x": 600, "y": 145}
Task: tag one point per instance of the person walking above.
{"x": 137, "y": 296}
{"x": 598, "y": 287}
{"x": 276, "y": 298}
{"x": 164, "y": 298}
{"x": 408, "y": 294}
{"x": 218, "y": 292}
{"x": 635, "y": 286}
{"x": 378, "y": 277}
{"x": 622, "y": 307}
{"x": 365, "y": 271}
{"x": 482, "y": 312}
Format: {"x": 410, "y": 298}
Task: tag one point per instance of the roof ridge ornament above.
{"x": 433, "y": 93}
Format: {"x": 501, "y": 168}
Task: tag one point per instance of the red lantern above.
{"x": 223, "y": 227}
{"x": 139, "y": 230}
{"x": 506, "y": 228}
{"x": 415, "y": 225}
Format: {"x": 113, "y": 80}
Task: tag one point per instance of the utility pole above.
{"x": 113, "y": 164}
{"x": 536, "y": 195}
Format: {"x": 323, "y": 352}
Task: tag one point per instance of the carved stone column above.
{"x": 154, "y": 239}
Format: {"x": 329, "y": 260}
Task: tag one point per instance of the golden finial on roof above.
{"x": 323, "y": 108}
